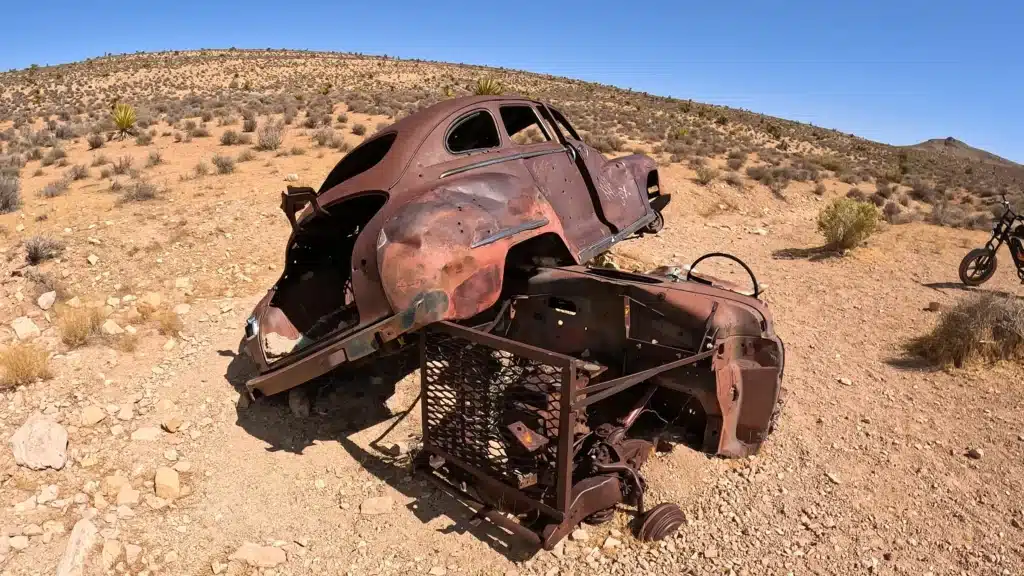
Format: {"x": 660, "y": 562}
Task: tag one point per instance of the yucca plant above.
{"x": 124, "y": 120}
{"x": 487, "y": 87}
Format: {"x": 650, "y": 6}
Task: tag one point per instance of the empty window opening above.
{"x": 475, "y": 131}
{"x": 365, "y": 156}
{"x": 523, "y": 126}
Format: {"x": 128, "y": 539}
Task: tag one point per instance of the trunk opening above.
{"x": 314, "y": 297}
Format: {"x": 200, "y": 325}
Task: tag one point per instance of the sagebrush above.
{"x": 982, "y": 328}
{"x": 846, "y": 223}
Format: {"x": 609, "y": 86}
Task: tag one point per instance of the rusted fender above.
{"x": 454, "y": 238}
{"x": 638, "y": 166}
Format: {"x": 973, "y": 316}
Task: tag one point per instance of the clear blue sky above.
{"x": 898, "y": 71}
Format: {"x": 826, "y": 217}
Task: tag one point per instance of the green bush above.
{"x": 846, "y": 223}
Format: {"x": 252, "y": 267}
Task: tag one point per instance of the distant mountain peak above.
{"x": 952, "y": 147}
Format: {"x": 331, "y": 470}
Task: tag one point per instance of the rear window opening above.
{"x": 314, "y": 298}
{"x": 362, "y": 158}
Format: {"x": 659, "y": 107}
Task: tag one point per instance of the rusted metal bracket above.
{"x": 598, "y": 392}
{"x": 295, "y": 199}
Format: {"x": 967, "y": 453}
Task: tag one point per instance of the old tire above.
{"x": 977, "y": 267}
{"x": 659, "y": 522}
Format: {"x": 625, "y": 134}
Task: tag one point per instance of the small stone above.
{"x": 975, "y": 453}
{"x": 934, "y": 307}
{"x": 845, "y": 381}
{"x": 46, "y": 300}
{"x": 165, "y": 405}
{"x": 376, "y": 505}
{"x": 166, "y": 484}
{"x": 611, "y": 542}
{"x": 83, "y": 536}
{"x": 113, "y": 301}
{"x": 111, "y": 328}
{"x": 170, "y": 344}
{"x": 438, "y": 571}
{"x": 32, "y": 530}
{"x": 170, "y": 557}
{"x": 132, "y": 553}
{"x": 147, "y": 434}
{"x": 711, "y": 552}
{"x": 396, "y": 448}
{"x": 25, "y": 328}
{"x": 116, "y": 430}
{"x": 128, "y": 496}
{"x": 171, "y": 454}
{"x": 183, "y": 282}
{"x": 47, "y": 494}
{"x": 75, "y": 302}
{"x": 580, "y": 535}
{"x": 112, "y": 551}
{"x": 126, "y": 412}
{"x": 18, "y": 542}
{"x": 151, "y": 299}
{"x": 182, "y": 309}
{"x": 171, "y": 423}
{"x": 1016, "y": 523}
{"x": 292, "y": 178}
{"x": 833, "y": 478}
{"x": 40, "y": 443}
{"x": 259, "y": 556}
{"x": 218, "y": 567}
{"x": 183, "y": 467}
{"x": 92, "y": 415}
{"x": 93, "y": 259}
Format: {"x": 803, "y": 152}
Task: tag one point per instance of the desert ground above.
{"x": 881, "y": 464}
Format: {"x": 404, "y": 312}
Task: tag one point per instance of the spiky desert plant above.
{"x": 124, "y": 120}
{"x": 487, "y": 87}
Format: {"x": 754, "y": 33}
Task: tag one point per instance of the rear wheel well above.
{"x": 653, "y": 184}
{"x": 547, "y": 249}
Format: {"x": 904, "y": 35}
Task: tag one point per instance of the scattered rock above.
{"x": 182, "y": 467}
{"x": 171, "y": 423}
{"x": 92, "y": 415}
{"x": 151, "y": 299}
{"x": 112, "y": 551}
{"x": 128, "y": 496}
{"x": 845, "y": 381}
{"x": 611, "y": 542}
{"x": 166, "y": 484}
{"x": 75, "y": 302}
{"x": 25, "y": 328}
{"x": 438, "y": 571}
{"x": 298, "y": 401}
{"x": 292, "y": 178}
{"x": 132, "y": 553}
{"x": 47, "y": 494}
{"x": 833, "y": 478}
{"x": 218, "y": 567}
{"x": 170, "y": 344}
{"x": 40, "y": 443}
{"x": 93, "y": 259}
{"x": 975, "y": 453}
{"x": 934, "y": 307}
{"x": 111, "y": 328}
{"x": 376, "y": 505}
{"x": 183, "y": 282}
{"x": 182, "y": 309}
{"x": 580, "y": 535}
{"x": 1016, "y": 523}
{"x": 46, "y": 300}
{"x": 711, "y": 552}
{"x": 112, "y": 484}
{"x": 259, "y": 556}
{"x": 396, "y": 449}
{"x": 83, "y": 536}
{"x": 147, "y": 434}
{"x": 126, "y": 412}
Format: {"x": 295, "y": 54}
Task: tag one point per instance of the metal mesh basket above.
{"x": 494, "y": 410}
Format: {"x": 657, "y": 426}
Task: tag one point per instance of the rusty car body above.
{"x": 545, "y": 383}
{"x": 420, "y": 222}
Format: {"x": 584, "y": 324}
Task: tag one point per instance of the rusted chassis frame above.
{"x": 573, "y": 502}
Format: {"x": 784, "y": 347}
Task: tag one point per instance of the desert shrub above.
{"x": 735, "y": 163}
{"x": 883, "y": 189}
{"x": 606, "y": 143}
{"x": 323, "y": 136}
{"x": 877, "y": 199}
{"x": 76, "y": 325}
{"x": 246, "y": 155}
{"x": 77, "y": 172}
{"x": 10, "y": 194}
{"x": 819, "y": 189}
{"x": 105, "y": 172}
{"x": 706, "y": 175}
{"x": 269, "y": 138}
{"x": 42, "y": 248}
{"x": 857, "y": 194}
{"x": 846, "y": 223}
{"x": 358, "y": 129}
{"x": 298, "y": 150}
{"x": 758, "y": 173}
{"x": 168, "y": 323}
{"x": 95, "y": 140}
{"x": 124, "y": 119}
{"x": 249, "y": 125}
{"x": 982, "y": 328}
{"x": 56, "y": 188}
{"x": 229, "y": 138}
{"x": 201, "y": 169}
{"x": 342, "y": 118}
{"x": 979, "y": 221}
{"x": 224, "y": 164}
{"x": 245, "y": 139}
{"x": 733, "y": 179}
{"x": 891, "y": 212}
{"x": 487, "y": 87}
{"x": 199, "y": 132}
{"x": 155, "y": 157}
{"x": 100, "y": 160}
{"x": 206, "y": 115}
{"x": 55, "y": 154}
{"x": 139, "y": 191}
{"x": 144, "y": 139}
{"x": 123, "y": 164}
{"x": 23, "y": 364}
{"x": 922, "y": 191}
{"x": 946, "y": 214}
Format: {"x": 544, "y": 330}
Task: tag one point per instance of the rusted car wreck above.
{"x": 465, "y": 230}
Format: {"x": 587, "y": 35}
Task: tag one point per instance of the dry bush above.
{"x": 10, "y": 194}
{"x": 139, "y": 192}
{"x": 229, "y": 138}
{"x": 358, "y": 129}
{"x": 946, "y": 214}
{"x": 77, "y": 172}
{"x": 269, "y": 138}
{"x": 55, "y": 188}
{"x": 733, "y": 179}
{"x": 77, "y": 325}
{"x": 123, "y": 164}
{"x": 95, "y": 140}
{"x": 23, "y": 364}
{"x": 706, "y": 175}
{"x": 155, "y": 157}
{"x": 144, "y": 139}
{"x": 249, "y": 125}
{"x": 41, "y": 248}
{"x": 246, "y": 155}
{"x": 819, "y": 189}
{"x": 981, "y": 328}
{"x": 846, "y": 223}
{"x": 168, "y": 323}
{"x": 224, "y": 164}
{"x": 126, "y": 342}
